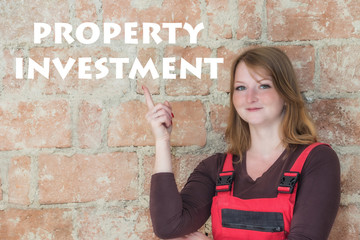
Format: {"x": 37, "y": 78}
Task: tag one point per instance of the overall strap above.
{"x": 226, "y": 176}
{"x": 299, "y": 163}
{"x": 290, "y": 178}
{"x": 228, "y": 166}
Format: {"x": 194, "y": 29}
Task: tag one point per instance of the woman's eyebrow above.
{"x": 264, "y": 79}
{"x": 238, "y": 81}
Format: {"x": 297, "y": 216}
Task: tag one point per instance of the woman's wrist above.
{"x": 163, "y": 156}
{"x": 164, "y": 140}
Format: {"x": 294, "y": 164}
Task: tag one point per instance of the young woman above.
{"x": 270, "y": 184}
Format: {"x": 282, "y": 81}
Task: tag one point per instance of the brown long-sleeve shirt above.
{"x": 175, "y": 214}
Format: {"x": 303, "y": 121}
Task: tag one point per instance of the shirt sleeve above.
{"x": 176, "y": 214}
{"x": 318, "y": 196}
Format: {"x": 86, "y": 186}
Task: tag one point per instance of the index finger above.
{"x": 148, "y": 98}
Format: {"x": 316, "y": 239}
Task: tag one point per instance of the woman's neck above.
{"x": 265, "y": 141}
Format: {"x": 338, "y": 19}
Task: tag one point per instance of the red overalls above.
{"x": 253, "y": 219}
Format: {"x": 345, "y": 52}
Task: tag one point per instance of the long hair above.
{"x": 297, "y": 126}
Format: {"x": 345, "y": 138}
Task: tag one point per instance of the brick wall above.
{"x": 76, "y": 155}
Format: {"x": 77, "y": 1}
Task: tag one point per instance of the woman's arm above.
{"x": 174, "y": 214}
{"x": 318, "y": 196}
{"x": 160, "y": 119}
{"x": 177, "y": 214}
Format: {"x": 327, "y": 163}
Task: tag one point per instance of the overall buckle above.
{"x": 288, "y": 182}
{"x": 224, "y": 181}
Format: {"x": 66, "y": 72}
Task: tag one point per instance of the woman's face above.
{"x": 255, "y": 97}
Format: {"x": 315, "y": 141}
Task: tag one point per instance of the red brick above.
{"x": 36, "y": 124}
{"x": 339, "y": 69}
{"x": 72, "y": 83}
{"x": 120, "y": 12}
{"x": 337, "y": 120}
{"x": 17, "y": 18}
{"x": 89, "y": 124}
{"x": 350, "y": 174}
{"x": 148, "y": 166}
{"x": 220, "y": 19}
{"x": 128, "y": 126}
{"x": 55, "y": 84}
{"x": 187, "y": 165}
{"x": 132, "y": 129}
{"x": 303, "y": 60}
{"x": 187, "y": 53}
{"x": 249, "y": 25}
{"x": 19, "y": 180}
{"x": 84, "y": 178}
{"x": 219, "y": 118}
{"x": 144, "y": 54}
{"x": 129, "y": 222}
{"x": 189, "y": 86}
{"x": 86, "y": 11}
{"x": 10, "y": 83}
{"x": 18, "y": 224}
{"x": 312, "y": 20}
{"x": 347, "y": 223}
{"x": 170, "y": 11}
{"x": 143, "y": 227}
{"x": 188, "y": 124}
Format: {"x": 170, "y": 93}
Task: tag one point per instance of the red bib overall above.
{"x": 261, "y": 218}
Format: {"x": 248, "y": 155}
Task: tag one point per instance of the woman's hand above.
{"x": 193, "y": 236}
{"x": 159, "y": 116}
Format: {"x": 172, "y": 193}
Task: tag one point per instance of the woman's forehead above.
{"x": 256, "y": 72}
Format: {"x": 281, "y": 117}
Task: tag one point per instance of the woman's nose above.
{"x": 251, "y": 95}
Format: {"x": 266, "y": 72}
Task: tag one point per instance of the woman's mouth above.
{"x": 253, "y": 109}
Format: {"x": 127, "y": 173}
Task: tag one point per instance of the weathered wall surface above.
{"x": 76, "y": 155}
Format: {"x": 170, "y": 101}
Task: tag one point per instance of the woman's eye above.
{"x": 265, "y": 86}
{"x": 240, "y": 88}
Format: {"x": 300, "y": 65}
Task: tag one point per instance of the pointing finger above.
{"x": 148, "y": 98}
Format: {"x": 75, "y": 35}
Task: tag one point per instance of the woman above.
{"x": 268, "y": 129}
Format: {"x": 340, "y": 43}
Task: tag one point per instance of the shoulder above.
{"x": 323, "y": 153}
{"x": 322, "y": 156}
{"x": 211, "y": 165}
{"x": 213, "y": 161}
